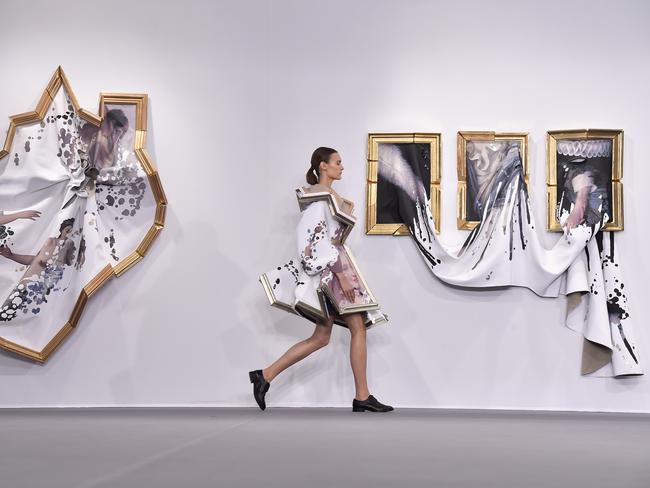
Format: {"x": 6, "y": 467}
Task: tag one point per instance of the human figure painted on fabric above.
{"x": 343, "y": 271}
{"x": 44, "y": 271}
{"x": 485, "y": 169}
{"x": 99, "y": 152}
{"x": 103, "y": 142}
{"x": 584, "y": 174}
{"x": 112, "y": 172}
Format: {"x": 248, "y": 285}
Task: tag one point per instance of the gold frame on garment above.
{"x": 461, "y": 155}
{"x": 366, "y": 307}
{"x": 616, "y": 136}
{"x": 304, "y": 309}
{"x": 400, "y": 229}
{"x": 347, "y": 220}
{"x": 316, "y": 315}
{"x": 140, "y": 100}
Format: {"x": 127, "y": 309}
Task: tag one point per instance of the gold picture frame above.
{"x": 140, "y": 101}
{"x": 397, "y": 228}
{"x": 463, "y": 137}
{"x": 552, "y": 138}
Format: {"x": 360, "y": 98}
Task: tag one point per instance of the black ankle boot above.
{"x": 370, "y": 404}
{"x": 260, "y": 387}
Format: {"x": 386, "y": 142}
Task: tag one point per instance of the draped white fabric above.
{"x": 74, "y": 198}
{"x": 505, "y": 250}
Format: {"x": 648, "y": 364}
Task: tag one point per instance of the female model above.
{"x": 323, "y": 284}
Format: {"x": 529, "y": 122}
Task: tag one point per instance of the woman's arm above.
{"x": 25, "y": 214}
{"x": 583, "y": 185}
{"x": 346, "y": 286}
{"x": 25, "y": 259}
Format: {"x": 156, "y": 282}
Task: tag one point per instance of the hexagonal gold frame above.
{"x": 59, "y": 80}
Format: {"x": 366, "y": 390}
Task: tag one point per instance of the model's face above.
{"x": 65, "y": 232}
{"x": 333, "y": 168}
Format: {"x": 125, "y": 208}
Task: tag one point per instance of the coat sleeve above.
{"x": 314, "y": 245}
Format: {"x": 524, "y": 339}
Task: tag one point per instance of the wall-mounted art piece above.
{"x": 480, "y": 167}
{"x": 80, "y": 203}
{"x": 421, "y": 152}
{"x": 504, "y": 248}
{"x": 584, "y": 168}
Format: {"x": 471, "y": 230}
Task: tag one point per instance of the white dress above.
{"x": 308, "y": 284}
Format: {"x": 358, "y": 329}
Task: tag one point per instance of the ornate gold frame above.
{"x": 58, "y": 80}
{"x": 433, "y": 138}
{"x": 616, "y": 135}
{"x": 461, "y": 149}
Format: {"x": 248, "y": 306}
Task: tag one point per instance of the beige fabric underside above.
{"x": 594, "y": 356}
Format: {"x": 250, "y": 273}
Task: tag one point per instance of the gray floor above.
{"x": 321, "y": 448}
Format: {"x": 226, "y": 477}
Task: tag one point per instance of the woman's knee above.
{"x": 321, "y": 336}
{"x": 320, "y": 340}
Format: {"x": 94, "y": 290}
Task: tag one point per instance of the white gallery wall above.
{"x": 240, "y": 95}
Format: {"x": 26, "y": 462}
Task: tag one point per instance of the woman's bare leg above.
{"x": 358, "y": 354}
{"x": 320, "y": 338}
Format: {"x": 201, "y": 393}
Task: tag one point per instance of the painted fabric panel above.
{"x": 505, "y": 250}
{"x": 74, "y": 198}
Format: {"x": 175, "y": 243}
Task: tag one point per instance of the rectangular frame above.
{"x": 400, "y": 229}
{"x": 461, "y": 148}
{"x": 616, "y": 136}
